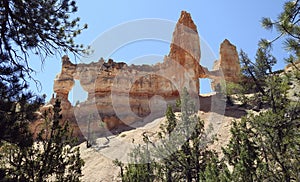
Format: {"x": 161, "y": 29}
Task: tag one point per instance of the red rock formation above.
{"x": 229, "y": 61}
{"x": 120, "y": 94}
{"x": 64, "y": 82}
{"x": 228, "y": 67}
{"x": 185, "y": 47}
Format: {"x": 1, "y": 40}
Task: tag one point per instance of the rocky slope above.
{"x": 99, "y": 159}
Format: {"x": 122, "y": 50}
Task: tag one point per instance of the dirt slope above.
{"x": 98, "y": 160}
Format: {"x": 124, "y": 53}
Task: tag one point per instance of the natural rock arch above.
{"x": 181, "y": 68}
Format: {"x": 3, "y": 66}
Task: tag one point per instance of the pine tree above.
{"x": 141, "y": 167}
{"x": 17, "y": 106}
{"x": 216, "y": 170}
{"x": 41, "y": 27}
{"x": 256, "y": 77}
{"x": 241, "y": 152}
{"x": 288, "y": 28}
{"x": 265, "y": 146}
{"x": 44, "y": 28}
{"x": 52, "y": 157}
{"x": 264, "y": 62}
{"x": 181, "y": 155}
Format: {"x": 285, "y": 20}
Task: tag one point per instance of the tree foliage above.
{"x": 288, "y": 27}
{"x": 51, "y": 157}
{"x": 258, "y": 76}
{"x": 41, "y": 27}
{"x": 182, "y": 154}
{"x": 265, "y": 146}
{"x": 17, "y": 106}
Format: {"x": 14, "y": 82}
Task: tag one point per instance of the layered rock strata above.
{"x": 227, "y": 68}
{"x": 123, "y": 94}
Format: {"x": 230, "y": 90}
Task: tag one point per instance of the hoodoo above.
{"x": 123, "y": 94}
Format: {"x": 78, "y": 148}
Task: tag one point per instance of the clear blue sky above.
{"x": 235, "y": 20}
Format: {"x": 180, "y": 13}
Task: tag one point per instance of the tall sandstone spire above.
{"x": 228, "y": 64}
{"x": 185, "y": 47}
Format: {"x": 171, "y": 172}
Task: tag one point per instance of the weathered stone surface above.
{"x": 185, "y": 47}
{"x": 227, "y": 68}
{"x": 64, "y": 82}
{"x": 122, "y": 94}
{"x": 292, "y": 67}
{"x": 229, "y": 61}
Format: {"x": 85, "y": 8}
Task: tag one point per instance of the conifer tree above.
{"x": 17, "y": 106}
{"x": 182, "y": 154}
{"x": 52, "y": 157}
{"x": 43, "y": 28}
{"x": 288, "y": 27}
{"x": 265, "y": 146}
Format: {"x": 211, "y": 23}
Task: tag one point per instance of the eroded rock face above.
{"x": 229, "y": 61}
{"x": 64, "y": 82}
{"x": 123, "y": 94}
{"x": 227, "y": 68}
{"x": 185, "y": 47}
